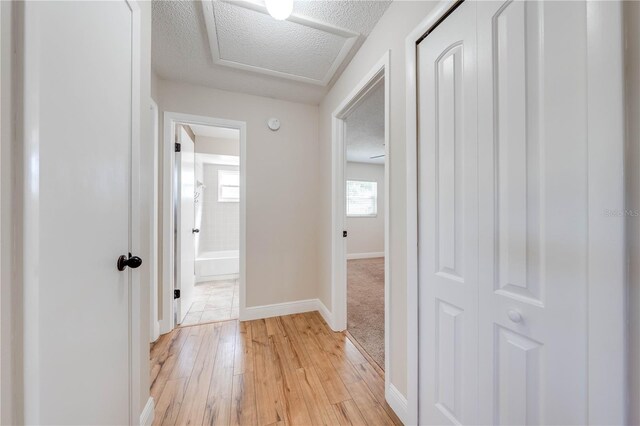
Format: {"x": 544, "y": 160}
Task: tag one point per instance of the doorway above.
{"x": 360, "y": 243}
{"x": 365, "y": 219}
{"x": 205, "y": 226}
{"x": 217, "y": 225}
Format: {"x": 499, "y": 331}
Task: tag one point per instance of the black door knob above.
{"x": 131, "y": 261}
{"x": 195, "y": 230}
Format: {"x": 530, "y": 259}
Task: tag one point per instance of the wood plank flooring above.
{"x": 290, "y": 370}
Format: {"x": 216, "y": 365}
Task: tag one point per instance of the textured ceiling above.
{"x": 250, "y": 52}
{"x": 365, "y": 129}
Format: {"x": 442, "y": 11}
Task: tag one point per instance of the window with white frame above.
{"x": 228, "y": 186}
{"x": 362, "y": 198}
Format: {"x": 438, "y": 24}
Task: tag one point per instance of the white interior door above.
{"x": 448, "y": 221}
{"x": 534, "y": 225}
{"x": 186, "y": 221}
{"x": 78, "y": 118}
{"x": 507, "y": 213}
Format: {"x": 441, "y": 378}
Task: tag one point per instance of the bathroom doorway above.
{"x": 205, "y": 257}
{"x": 217, "y": 225}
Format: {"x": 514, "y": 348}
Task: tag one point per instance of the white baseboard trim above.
{"x": 364, "y": 255}
{"x": 146, "y": 418}
{"x": 278, "y": 309}
{"x": 155, "y": 333}
{"x": 165, "y": 326}
{"x": 287, "y": 308}
{"x": 397, "y": 402}
{"x": 326, "y": 314}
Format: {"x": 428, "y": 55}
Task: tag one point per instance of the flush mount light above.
{"x": 279, "y": 9}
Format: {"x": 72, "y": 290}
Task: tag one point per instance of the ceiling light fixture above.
{"x": 279, "y": 9}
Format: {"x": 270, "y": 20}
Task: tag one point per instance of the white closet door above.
{"x": 79, "y": 114}
{"x": 533, "y": 212}
{"x": 448, "y": 205}
{"x": 517, "y": 257}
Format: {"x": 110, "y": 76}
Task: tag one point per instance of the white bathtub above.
{"x": 213, "y": 265}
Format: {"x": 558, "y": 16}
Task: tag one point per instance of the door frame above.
{"x": 155, "y": 207}
{"x": 607, "y": 389}
{"x": 8, "y": 213}
{"x": 379, "y": 72}
{"x": 136, "y": 344}
{"x": 167, "y": 323}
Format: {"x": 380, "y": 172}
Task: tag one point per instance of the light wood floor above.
{"x": 290, "y": 370}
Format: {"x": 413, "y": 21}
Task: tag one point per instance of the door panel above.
{"x": 78, "y": 120}
{"x": 448, "y": 230}
{"x": 186, "y": 220}
{"x": 503, "y": 215}
{"x": 533, "y": 215}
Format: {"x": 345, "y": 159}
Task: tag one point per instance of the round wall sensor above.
{"x": 274, "y": 124}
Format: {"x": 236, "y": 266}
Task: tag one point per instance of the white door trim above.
{"x": 136, "y": 344}
{"x": 154, "y": 240}
{"x": 606, "y": 288}
{"x": 8, "y": 213}
{"x": 167, "y": 322}
{"x": 412, "y": 203}
{"x": 380, "y": 71}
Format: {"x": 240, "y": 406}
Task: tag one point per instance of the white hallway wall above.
{"x": 208, "y": 145}
{"x": 389, "y": 34}
{"x": 282, "y": 186}
{"x": 632, "y": 32}
{"x": 366, "y": 234}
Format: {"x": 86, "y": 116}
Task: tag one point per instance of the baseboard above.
{"x": 165, "y": 326}
{"x": 288, "y": 308}
{"x": 397, "y": 402}
{"x": 365, "y": 255}
{"x": 146, "y": 418}
{"x": 155, "y": 333}
{"x": 278, "y": 309}
{"x": 326, "y": 314}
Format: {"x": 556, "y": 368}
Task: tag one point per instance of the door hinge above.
{"x": 344, "y": 234}
{"x": 178, "y": 147}
{"x": 176, "y": 294}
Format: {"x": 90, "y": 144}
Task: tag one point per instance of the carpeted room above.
{"x": 365, "y": 221}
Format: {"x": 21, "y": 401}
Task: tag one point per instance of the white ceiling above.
{"x": 237, "y": 46}
{"x": 215, "y": 132}
{"x": 365, "y": 129}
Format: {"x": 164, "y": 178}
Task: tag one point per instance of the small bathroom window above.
{"x": 228, "y": 186}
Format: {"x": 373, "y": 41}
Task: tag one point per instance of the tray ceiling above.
{"x": 243, "y": 35}
{"x": 238, "y": 46}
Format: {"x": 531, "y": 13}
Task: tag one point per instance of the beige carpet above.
{"x": 365, "y": 305}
